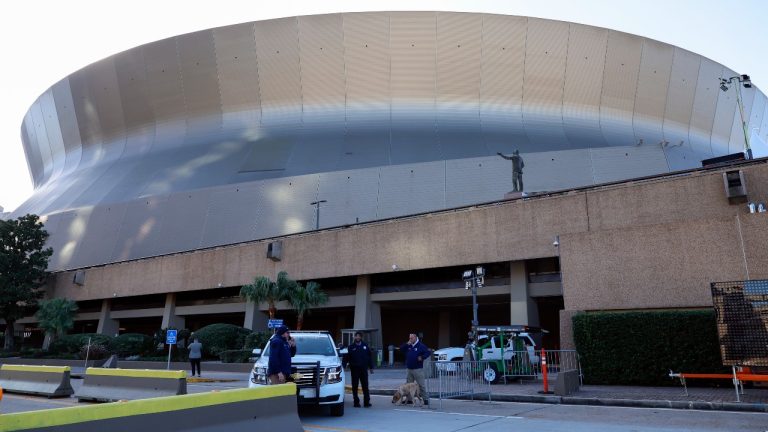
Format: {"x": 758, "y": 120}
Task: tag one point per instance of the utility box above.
{"x": 275, "y": 250}
{"x": 735, "y": 187}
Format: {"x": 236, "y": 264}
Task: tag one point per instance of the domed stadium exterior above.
{"x": 225, "y": 136}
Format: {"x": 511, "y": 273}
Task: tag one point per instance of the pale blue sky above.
{"x": 43, "y": 41}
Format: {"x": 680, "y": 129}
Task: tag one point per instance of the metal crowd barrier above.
{"x": 457, "y": 379}
{"x": 466, "y": 379}
{"x": 528, "y": 364}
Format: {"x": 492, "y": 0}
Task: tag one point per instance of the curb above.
{"x": 629, "y": 403}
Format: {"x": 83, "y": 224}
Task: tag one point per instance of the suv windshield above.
{"x": 310, "y": 345}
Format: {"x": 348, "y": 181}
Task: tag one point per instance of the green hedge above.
{"x": 220, "y": 337}
{"x": 640, "y": 348}
{"x": 235, "y": 356}
{"x": 131, "y": 344}
{"x": 73, "y": 343}
{"x": 256, "y": 340}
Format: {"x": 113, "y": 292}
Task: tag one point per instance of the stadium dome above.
{"x": 227, "y": 135}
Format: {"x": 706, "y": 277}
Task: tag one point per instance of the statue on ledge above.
{"x": 517, "y": 170}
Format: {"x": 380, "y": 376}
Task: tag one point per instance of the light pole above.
{"x": 747, "y": 83}
{"x": 474, "y": 279}
{"x": 317, "y": 212}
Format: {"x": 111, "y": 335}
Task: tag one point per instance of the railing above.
{"x": 468, "y": 379}
{"x": 527, "y": 364}
{"x": 457, "y": 379}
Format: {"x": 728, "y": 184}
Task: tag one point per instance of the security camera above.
{"x": 556, "y": 243}
{"x": 395, "y": 267}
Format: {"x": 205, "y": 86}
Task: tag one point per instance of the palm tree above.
{"x": 303, "y": 298}
{"x": 56, "y": 316}
{"x": 264, "y": 289}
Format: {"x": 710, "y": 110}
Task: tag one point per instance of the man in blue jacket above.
{"x": 281, "y": 348}
{"x": 360, "y": 361}
{"x": 415, "y": 354}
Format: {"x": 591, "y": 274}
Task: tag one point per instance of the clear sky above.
{"x": 43, "y": 41}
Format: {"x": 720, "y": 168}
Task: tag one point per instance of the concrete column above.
{"x": 255, "y": 319}
{"x": 444, "y": 331}
{"x": 523, "y": 308}
{"x": 367, "y": 313}
{"x": 107, "y": 325}
{"x": 170, "y": 319}
{"x": 566, "y": 329}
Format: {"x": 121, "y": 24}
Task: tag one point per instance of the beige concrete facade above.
{"x": 652, "y": 243}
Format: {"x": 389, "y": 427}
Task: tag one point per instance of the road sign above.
{"x": 274, "y": 323}
{"x": 170, "y": 337}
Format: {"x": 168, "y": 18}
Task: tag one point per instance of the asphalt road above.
{"x": 501, "y": 416}
{"x": 475, "y": 416}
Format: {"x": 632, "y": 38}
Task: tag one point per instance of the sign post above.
{"x": 170, "y": 340}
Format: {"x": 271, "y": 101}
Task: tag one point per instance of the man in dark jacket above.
{"x": 415, "y": 354}
{"x": 360, "y": 362}
{"x": 281, "y": 348}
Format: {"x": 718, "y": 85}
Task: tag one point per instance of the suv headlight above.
{"x": 259, "y": 375}
{"x": 335, "y": 374}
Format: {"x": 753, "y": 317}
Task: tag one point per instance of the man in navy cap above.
{"x": 281, "y": 348}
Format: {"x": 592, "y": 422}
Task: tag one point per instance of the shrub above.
{"x": 640, "y": 348}
{"x": 221, "y": 337}
{"x": 7, "y": 354}
{"x": 131, "y": 343}
{"x": 256, "y": 340}
{"x": 72, "y": 343}
{"x": 235, "y": 356}
{"x": 96, "y": 352}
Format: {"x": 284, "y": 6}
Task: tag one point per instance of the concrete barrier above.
{"x": 107, "y": 385}
{"x": 263, "y": 408}
{"x": 51, "y": 381}
{"x": 567, "y": 383}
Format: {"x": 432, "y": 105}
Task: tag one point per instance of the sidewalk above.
{"x": 385, "y": 381}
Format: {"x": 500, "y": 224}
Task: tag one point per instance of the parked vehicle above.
{"x": 503, "y": 346}
{"x": 316, "y": 369}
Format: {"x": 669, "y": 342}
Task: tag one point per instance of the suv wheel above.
{"x": 337, "y": 410}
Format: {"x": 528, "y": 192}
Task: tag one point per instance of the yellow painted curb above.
{"x": 86, "y": 413}
{"x": 30, "y": 368}
{"x": 136, "y": 373}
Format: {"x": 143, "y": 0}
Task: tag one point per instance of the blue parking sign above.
{"x": 274, "y": 323}
{"x": 170, "y": 337}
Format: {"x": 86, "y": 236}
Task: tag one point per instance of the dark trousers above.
{"x": 360, "y": 375}
{"x": 195, "y": 364}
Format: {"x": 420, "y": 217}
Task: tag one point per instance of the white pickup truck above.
{"x": 490, "y": 349}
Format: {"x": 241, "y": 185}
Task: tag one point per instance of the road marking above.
{"x": 325, "y": 428}
{"x": 455, "y": 413}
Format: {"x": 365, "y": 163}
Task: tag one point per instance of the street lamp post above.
{"x": 747, "y": 83}
{"x": 317, "y": 212}
{"x": 474, "y": 279}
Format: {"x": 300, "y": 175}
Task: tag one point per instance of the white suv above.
{"x": 316, "y": 369}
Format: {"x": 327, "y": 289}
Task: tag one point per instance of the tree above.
{"x": 56, "y": 316}
{"x": 23, "y": 263}
{"x": 264, "y": 290}
{"x": 303, "y": 298}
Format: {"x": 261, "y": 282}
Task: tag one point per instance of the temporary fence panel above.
{"x": 458, "y": 379}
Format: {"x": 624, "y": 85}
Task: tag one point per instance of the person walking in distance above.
{"x": 415, "y": 354}
{"x": 195, "y": 354}
{"x": 360, "y": 362}
{"x": 281, "y": 348}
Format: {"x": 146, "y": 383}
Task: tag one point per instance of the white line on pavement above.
{"x": 455, "y": 413}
